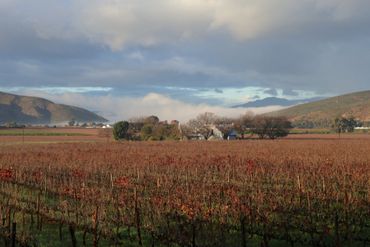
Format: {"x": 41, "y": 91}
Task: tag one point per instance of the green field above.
{"x": 311, "y": 131}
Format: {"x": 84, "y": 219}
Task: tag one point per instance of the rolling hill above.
{"x": 323, "y": 112}
{"x": 33, "y": 110}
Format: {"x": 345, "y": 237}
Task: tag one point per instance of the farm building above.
{"x": 216, "y": 133}
{"x": 195, "y": 137}
{"x": 362, "y": 128}
{"x": 233, "y": 135}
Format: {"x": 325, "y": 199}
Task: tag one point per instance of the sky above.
{"x": 178, "y": 58}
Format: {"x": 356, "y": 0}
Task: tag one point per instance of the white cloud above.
{"x": 137, "y": 55}
{"x": 116, "y": 23}
{"x": 118, "y": 108}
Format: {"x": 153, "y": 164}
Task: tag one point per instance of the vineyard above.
{"x": 243, "y": 193}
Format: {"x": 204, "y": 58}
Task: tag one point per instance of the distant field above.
{"x": 322, "y": 131}
{"x": 50, "y": 135}
{"x": 60, "y": 135}
{"x": 34, "y": 132}
{"x": 332, "y": 136}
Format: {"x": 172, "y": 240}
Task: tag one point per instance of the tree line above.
{"x": 146, "y": 129}
{"x": 204, "y": 126}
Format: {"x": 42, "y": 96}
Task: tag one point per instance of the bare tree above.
{"x": 271, "y": 127}
{"x": 151, "y": 120}
{"x": 185, "y": 131}
{"x": 244, "y": 123}
{"x": 202, "y": 124}
{"x": 225, "y": 125}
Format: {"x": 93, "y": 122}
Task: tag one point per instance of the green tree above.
{"x": 72, "y": 123}
{"x": 351, "y": 124}
{"x": 120, "y": 130}
{"x": 342, "y": 125}
{"x": 146, "y": 131}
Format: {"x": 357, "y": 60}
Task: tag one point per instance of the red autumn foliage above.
{"x": 195, "y": 193}
{"x": 121, "y": 182}
{"x": 6, "y": 174}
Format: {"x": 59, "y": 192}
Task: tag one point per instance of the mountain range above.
{"x": 323, "y": 112}
{"x": 315, "y": 111}
{"x": 34, "y": 110}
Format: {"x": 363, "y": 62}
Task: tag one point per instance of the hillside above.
{"x": 33, "y": 110}
{"x": 273, "y": 101}
{"x": 323, "y": 112}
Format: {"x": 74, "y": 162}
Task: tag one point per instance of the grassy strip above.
{"x": 324, "y": 131}
{"x": 311, "y": 131}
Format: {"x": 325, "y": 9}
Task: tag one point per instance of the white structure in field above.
{"x": 216, "y": 133}
{"x": 362, "y": 128}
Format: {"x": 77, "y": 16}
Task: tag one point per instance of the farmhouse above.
{"x": 195, "y": 137}
{"x": 233, "y": 135}
{"x": 216, "y": 133}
